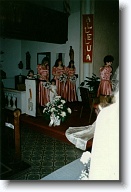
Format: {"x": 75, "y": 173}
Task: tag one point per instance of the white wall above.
{"x": 74, "y": 41}
{"x": 11, "y": 58}
{"x": 38, "y": 47}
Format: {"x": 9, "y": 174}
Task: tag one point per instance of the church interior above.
{"x": 49, "y": 70}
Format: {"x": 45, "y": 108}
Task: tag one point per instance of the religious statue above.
{"x": 71, "y": 54}
{"x": 28, "y": 57}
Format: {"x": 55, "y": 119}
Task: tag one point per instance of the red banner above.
{"x": 87, "y": 38}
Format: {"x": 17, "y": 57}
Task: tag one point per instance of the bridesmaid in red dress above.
{"x": 43, "y": 76}
{"x": 58, "y": 70}
{"x": 105, "y": 86}
{"x": 70, "y": 91}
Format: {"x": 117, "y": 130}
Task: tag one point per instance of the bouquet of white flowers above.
{"x": 73, "y": 79}
{"x": 56, "y": 110}
{"x": 46, "y": 84}
{"x": 63, "y": 78}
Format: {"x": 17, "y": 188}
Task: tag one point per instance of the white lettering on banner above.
{"x": 87, "y": 37}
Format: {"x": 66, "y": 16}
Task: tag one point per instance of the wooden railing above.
{"x": 15, "y": 99}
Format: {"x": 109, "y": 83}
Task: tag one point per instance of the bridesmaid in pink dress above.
{"x": 70, "y": 90}
{"x": 105, "y": 86}
{"x": 58, "y": 70}
{"x": 43, "y": 76}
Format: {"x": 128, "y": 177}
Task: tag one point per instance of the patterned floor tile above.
{"x": 44, "y": 154}
{"x": 33, "y": 176}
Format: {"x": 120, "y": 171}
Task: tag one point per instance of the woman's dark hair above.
{"x": 108, "y": 58}
{"x": 45, "y": 60}
{"x": 71, "y": 61}
{"x": 57, "y": 61}
{"x": 30, "y": 71}
{"x": 53, "y": 80}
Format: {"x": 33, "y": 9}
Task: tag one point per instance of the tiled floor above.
{"x": 44, "y": 154}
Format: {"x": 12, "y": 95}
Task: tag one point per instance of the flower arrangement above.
{"x": 56, "y": 110}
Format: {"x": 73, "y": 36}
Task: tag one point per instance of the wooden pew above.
{"x": 10, "y": 137}
{"x": 11, "y": 145}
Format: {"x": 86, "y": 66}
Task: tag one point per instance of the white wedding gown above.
{"x": 105, "y": 150}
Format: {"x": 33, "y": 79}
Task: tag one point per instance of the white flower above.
{"x": 69, "y": 110}
{"x": 44, "y": 110}
{"x": 85, "y": 157}
{"x": 56, "y": 109}
{"x": 57, "y": 97}
{"x": 46, "y": 84}
{"x": 47, "y": 104}
{"x": 60, "y": 106}
{"x": 63, "y": 78}
{"x": 52, "y": 109}
{"x": 73, "y": 79}
{"x": 63, "y": 101}
{"x": 63, "y": 114}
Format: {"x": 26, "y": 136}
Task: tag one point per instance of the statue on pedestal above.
{"x": 71, "y": 54}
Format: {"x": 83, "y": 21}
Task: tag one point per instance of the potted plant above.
{"x": 92, "y": 83}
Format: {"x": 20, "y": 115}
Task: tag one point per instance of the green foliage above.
{"x": 92, "y": 83}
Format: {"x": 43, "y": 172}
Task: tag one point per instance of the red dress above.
{"x": 105, "y": 86}
{"x": 70, "y": 89}
{"x": 43, "y": 92}
{"x": 60, "y": 85}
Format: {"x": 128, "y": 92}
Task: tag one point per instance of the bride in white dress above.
{"x": 105, "y": 150}
{"x": 103, "y": 161}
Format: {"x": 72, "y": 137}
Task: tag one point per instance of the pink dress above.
{"x": 70, "y": 89}
{"x": 43, "y": 92}
{"x": 60, "y": 85}
{"x": 105, "y": 86}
